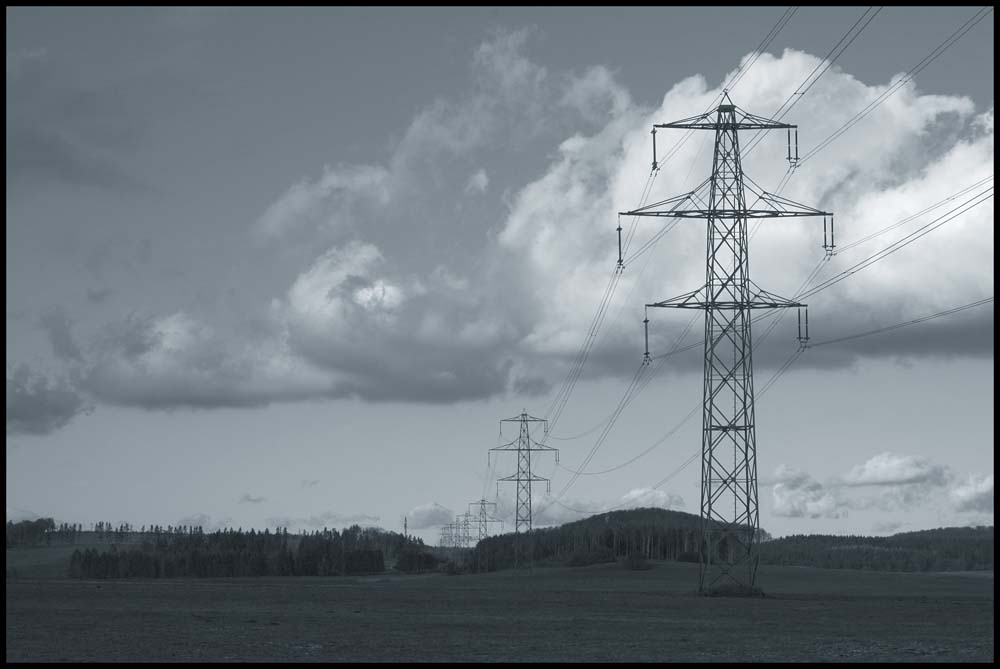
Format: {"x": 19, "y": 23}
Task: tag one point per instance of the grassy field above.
{"x": 597, "y": 613}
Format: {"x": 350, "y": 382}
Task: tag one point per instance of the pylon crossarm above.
{"x": 509, "y": 446}
{"x": 698, "y": 299}
{"x": 727, "y": 213}
{"x": 741, "y": 120}
{"x": 538, "y": 446}
{"x": 676, "y": 201}
{"x": 676, "y": 302}
{"x": 516, "y": 477}
{"x": 780, "y": 204}
{"x": 527, "y": 417}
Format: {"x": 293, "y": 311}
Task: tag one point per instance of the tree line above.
{"x": 234, "y": 553}
{"x": 45, "y": 531}
{"x": 943, "y": 549}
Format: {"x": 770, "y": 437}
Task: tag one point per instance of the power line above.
{"x": 904, "y": 324}
{"x": 828, "y": 61}
{"x": 916, "y": 69}
{"x": 769, "y": 384}
{"x": 971, "y": 203}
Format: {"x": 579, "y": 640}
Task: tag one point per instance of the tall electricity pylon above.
{"x": 525, "y": 446}
{"x": 729, "y": 511}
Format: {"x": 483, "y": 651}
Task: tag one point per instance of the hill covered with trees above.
{"x": 659, "y": 534}
{"x": 656, "y": 534}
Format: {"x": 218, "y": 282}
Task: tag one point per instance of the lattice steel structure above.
{"x": 447, "y": 539}
{"x": 463, "y": 523}
{"x": 524, "y": 445}
{"x": 729, "y": 511}
{"x": 483, "y": 517}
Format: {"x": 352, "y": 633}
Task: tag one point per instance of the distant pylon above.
{"x": 525, "y": 446}
{"x": 484, "y": 518}
{"x": 464, "y": 524}
{"x": 449, "y": 535}
{"x": 729, "y": 512}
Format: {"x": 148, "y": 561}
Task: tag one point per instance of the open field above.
{"x": 597, "y": 613}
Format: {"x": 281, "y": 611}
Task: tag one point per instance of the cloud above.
{"x": 648, "y": 497}
{"x": 309, "y": 484}
{"x": 975, "y": 494}
{"x": 401, "y": 297}
{"x": 59, "y": 329}
{"x": 900, "y": 481}
{"x": 477, "y": 182}
{"x": 429, "y": 515}
{"x": 908, "y": 153}
{"x": 798, "y": 495}
{"x": 596, "y": 95}
{"x": 250, "y": 499}
{"x": 886, "y": 482}
{"x": 178, "y": 361}
{"x": 893, "y": 469}
{"x": 394, "y": 337}
{"x": 331, "y": 200}
{"x": 38, "y": 405}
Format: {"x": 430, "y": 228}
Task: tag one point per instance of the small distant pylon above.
{"x": 484, "y": 519}
{"x": 464, "y": 524}
{"x": 525, "y": 446}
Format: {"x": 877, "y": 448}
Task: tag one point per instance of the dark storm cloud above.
{"x": 38, "y": 405}
{"x": 59, "y": 328}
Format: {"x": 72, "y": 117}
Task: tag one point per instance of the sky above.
{"x": 291, "y": 267}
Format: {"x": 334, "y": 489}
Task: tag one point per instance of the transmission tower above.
{"x": 525, "y": 446}
{"x": 729, "y": 511}
{"x": 464, "y": 526}
{"x": 447, "y": 536}
{"x": 484, "y": 518}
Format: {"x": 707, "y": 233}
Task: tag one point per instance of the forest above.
{"x": 943, "y": 549}
{"x": 230, "y": 553}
